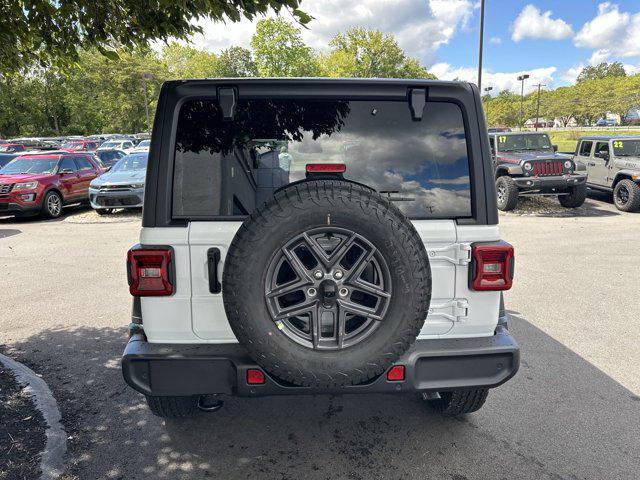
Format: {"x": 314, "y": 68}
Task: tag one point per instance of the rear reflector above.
{"x": 492, "y": 267}
{"x": 326, "y": 168}
{"x": 255, "y": 377}
{"x": 149, "y": 272}
{"x": 396, "y": 373}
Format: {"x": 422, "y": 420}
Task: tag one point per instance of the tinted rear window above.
{"x": 228, "y": 168}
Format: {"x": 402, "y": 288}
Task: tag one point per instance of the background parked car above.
{"x": 110, "y": 157}
{"x": 117, "y": 145}
{"x": 12, "y": 147}
{"x": 613, "y": 165}
{"x": 80, "y": 145}
{"x": 143, "y": 146}
{"x": 120, "y": 187}
{"x": 46, "y": 182}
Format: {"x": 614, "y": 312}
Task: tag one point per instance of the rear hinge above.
{"x": 456, "y": 253}
{"x": 455, "y": 310}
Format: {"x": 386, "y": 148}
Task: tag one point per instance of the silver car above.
{"x": 120, "y": 187}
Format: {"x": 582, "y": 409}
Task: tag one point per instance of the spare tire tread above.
{"x": 323, "y": 192}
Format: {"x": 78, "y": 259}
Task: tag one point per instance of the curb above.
{"x": 52, "y": 457}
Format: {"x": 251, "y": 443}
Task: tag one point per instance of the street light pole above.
{"x": 538, "y": 107}
{"x": 521, "y": 79}
{"x": 145, "y": 77}
{"x": 480, "y": 45}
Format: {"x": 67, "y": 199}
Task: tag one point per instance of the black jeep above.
{"x": 525, "y": 163}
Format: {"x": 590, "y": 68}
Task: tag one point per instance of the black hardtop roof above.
{"x": 316, "y": 80}
{"x": 610, "y": 137}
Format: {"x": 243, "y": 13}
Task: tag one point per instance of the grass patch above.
{"x": 567, "y": 140}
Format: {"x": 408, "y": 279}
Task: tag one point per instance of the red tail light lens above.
{"x": 255, "y": 377}
{"x": 492, "y": 266}
{"x": 149, "y": 272}
{"x": 396, "y": 373}
{"x": 326, "y": 168}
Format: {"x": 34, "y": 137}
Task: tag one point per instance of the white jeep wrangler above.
{"x": 318, "y": 236}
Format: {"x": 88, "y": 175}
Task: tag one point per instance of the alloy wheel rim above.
{"x": 623, "y": 195}
{"x": 53, "y": 205}
{"x": 328, "y": 288}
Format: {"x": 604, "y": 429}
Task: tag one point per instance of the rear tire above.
{"x": 507, "y": 193}
{"x": 104, "y": 211}
{"x": 459, "y": 402}
{"x": 577, "y": 196}
{"x": 172, "y": 407}
{"x": 626, "y": 196}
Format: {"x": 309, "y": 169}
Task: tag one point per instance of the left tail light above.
{"x": 150, "y": 271}
{"x": 491, "y": 266}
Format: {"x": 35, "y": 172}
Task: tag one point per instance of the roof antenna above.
{"x": 228, "y": 99}
{"x": 417, "y": 101}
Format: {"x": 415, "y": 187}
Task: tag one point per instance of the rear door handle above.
{"x": 213, "y": 258}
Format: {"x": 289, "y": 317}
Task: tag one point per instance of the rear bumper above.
{"x": 430, "y": 365}
{"x": 548, "y": 184}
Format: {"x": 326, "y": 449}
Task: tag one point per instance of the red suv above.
{"x": 46, "y": 182}
{"x": 81, "y": 145}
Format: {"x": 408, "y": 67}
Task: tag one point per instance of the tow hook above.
{"x": 209, "y": 403}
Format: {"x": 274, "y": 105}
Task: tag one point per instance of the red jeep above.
{"x": 46, "y": 182}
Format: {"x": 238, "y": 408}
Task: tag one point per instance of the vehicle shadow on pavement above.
{"x": 560, "y": 417}
{"x": 39, "y": 219}
{"x": 549, "y": 207}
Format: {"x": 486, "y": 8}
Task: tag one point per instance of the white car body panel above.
{"x": 194, "y": 315}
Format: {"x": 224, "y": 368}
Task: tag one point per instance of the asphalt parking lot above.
{"x": 572, "y": 412}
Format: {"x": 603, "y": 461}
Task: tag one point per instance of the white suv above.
{"x": 319, "y": 236}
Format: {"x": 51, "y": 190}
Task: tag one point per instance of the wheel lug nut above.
{"x": 343, "y": 292}
{"x": 311, "y": 292}
{"x": 338, "y": 274}
{"x": 318, "y": 274}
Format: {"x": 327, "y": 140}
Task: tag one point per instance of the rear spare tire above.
{"x": 327, "y": 284}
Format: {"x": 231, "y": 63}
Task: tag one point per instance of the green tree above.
{"x": 107, "y": 96}
{"x": 364, "y": 53}
{"x": 52, "y": 31}
{"x": 279, "y": 51}
{"x": 503, "y": 109}
{"x": 236, "y": 62}
{"x": 602, "y": 70}
{"x": 184, "y": 61}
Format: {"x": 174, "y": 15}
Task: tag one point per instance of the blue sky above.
{"x": 550, "y": 40}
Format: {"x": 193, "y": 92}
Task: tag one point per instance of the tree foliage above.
{"x": 49, "y": 32}
{"x": 585, "y": 102}
{"x": 602, "y": 70}
{"x": 98, "y": 94}
{"x": 364, "y": 53}
{"x": 279, "y": 50}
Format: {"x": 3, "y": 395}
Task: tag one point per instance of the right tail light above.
{"x": 491, "y": 266}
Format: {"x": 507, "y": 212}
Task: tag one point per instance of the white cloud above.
{"x": 498, "y": 80}
{"x": 420, "y": 27}
{"x": 531, "y": 23}
{"x": 495, "y": 40}
{"x": 571, "y": 74}
{"x": 611, "y": 33}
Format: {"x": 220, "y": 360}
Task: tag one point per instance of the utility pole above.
{"x": 538, "y": 107}
{"x": 145, "y": 77}
{"x": 521, "y": 79}
{"x": 480, "y": 45}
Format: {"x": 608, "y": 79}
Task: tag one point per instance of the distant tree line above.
{"x": 98, "y": 93}
{"x": 599, "y": 89}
